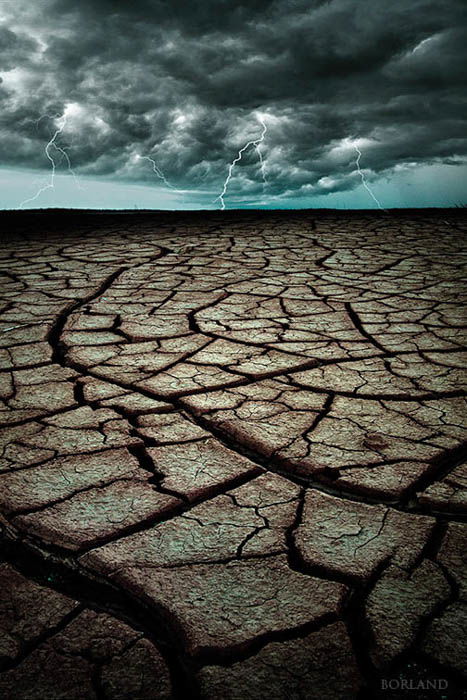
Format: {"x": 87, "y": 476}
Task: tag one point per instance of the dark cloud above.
{"x": 14, "y": 49}
{"x": 187, "y": 84}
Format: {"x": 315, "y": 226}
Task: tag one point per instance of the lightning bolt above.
{"x": 262, "y": 165}
{"x": 59, "y": 148}
{"x": 70, "y": 169}
{"x": 364, "y": 182}
{"x": 52, "y": 144}
{"x": 236, "y": 160}
{"x": 158, "y": 171}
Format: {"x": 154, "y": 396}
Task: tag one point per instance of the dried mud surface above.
{"x": 232, "y": 454}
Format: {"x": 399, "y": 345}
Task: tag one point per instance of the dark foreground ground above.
{"x": 232, "y": 461}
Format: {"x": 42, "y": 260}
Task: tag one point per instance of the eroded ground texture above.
{"x": 231, "y": 455}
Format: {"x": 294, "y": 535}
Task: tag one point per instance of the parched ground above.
{"x": 232, "y": 455}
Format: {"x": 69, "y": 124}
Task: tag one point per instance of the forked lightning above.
{"x": 158, "y": 171}
{"x": 61, "y": 123}
{"x": 364, "y": 182}
{"x": 236, "y": 160}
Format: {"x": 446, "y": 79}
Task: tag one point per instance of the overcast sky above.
{"x": 188, "y": 84}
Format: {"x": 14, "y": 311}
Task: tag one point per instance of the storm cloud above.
{"x": 188, "y": 84}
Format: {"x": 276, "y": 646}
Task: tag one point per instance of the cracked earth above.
{"x": 232, "y": 455}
